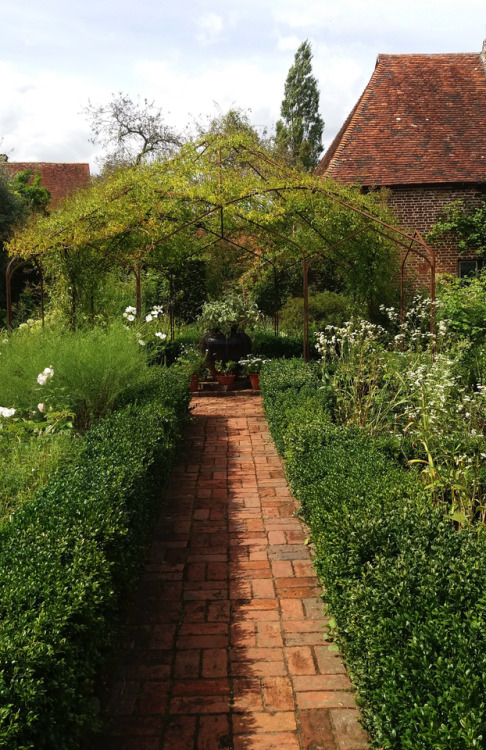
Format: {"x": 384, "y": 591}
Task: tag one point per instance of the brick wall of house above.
{"x": 61, "y": 179}
{"x": 418, "y": 207}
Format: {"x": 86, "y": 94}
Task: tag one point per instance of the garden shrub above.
{"x": 274, "y": 347}
{"x": 66, "y": 559}
{"x": 325, "y": 308}
{"x": 407, "y": 590}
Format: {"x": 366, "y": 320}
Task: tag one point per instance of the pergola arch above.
{"x": 223, "y": 187}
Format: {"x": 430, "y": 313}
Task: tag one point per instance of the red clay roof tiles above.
{"x": 421, "y": 119}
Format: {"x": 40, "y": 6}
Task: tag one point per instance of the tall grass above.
{"x": 91, "y": 369}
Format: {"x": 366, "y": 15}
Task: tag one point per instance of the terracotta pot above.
{"x": 255, "y": 380}
{"x": 194, "y": 384}
{"x": 225, "y": 380}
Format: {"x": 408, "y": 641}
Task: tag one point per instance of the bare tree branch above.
{"x": 131, "y": 131}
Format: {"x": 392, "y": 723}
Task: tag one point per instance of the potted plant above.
{"x": 225, "y": 374}
{"x": 226, "y": 322}
{"x": 193, "y": 362}
{"x": 252, "y": 367}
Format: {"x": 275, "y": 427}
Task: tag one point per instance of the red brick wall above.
{"x": 59, "y": 178}
{"x": 417, "y": 207}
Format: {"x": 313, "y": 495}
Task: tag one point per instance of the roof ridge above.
{"x": 426, "y": 54}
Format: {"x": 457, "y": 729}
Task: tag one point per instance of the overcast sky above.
{"x": 192, "y": 56}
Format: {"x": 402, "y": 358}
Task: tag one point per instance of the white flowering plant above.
{"x": 148, "y": 331}
{"x": 192, "y": 360}
{"x": 413, "y": 384}
{"x": 232, "y": 313}
{"x": 252, "y": 364}
{"x": 45, "y": 419}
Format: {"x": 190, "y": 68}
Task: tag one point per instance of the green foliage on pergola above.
{"x": 223, "y": 188}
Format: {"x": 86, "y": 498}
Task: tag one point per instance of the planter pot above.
{"x": 254, "y": 380}
{"x": 225, "y": 380}
{"x": 221, "y": 348}
{"x": 194, "y": 384}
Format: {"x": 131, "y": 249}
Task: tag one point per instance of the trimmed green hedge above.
{"x": 408, "y": 591}
{"x": 65, "y": 560}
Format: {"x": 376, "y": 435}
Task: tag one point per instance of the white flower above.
{"x": 149, "y": 318}
{"x": 130, "y": 309}
{"x": 4, "y": 412}
{"x": 131, "y": 318}
{"x": 44, "y": 376}
{"x": 161, "y": 336}
{"x": 142, "y": 343}
{"x": 41, "y": 407}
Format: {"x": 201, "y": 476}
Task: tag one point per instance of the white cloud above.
{"x": 224, "y": 84}
{"x": 188, "y": 55}
{"x": 40, "y": 116}
{"x": 290, "y": 43}
{"x": 384, "y": 26}
{"x": 210, "y": 28}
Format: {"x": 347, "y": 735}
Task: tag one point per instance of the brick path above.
{"x": 225, "y": 647}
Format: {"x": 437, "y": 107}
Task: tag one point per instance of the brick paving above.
{"x": 225, "y": 647}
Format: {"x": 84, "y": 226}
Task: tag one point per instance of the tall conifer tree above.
{"x": 299, "y": 133}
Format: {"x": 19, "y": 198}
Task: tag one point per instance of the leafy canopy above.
{"x": 223, "y": 188}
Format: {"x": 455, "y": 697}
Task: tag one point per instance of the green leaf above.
{"x": 459, "y": 516}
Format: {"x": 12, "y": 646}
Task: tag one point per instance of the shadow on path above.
{"x": 225, "y": 646}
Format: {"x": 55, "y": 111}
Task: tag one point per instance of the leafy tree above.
{"x": 26, "y": 185}
{"x": 299, "y": 133}
{"x": 20, "y": 196}
{"x": 133, "y": 132}
{"x": 12, "y": 208}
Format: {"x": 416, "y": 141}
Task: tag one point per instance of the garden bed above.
{"x": 405, "y": 588}
{"x": 66, "y": 559}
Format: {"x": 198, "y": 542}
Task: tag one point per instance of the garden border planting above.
{"x": 68, "y": 556}
{"x": 406, "y": 589}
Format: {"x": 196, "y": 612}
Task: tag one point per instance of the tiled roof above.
{"x": 60, "y": 179}
{"x": 421, "y": 119}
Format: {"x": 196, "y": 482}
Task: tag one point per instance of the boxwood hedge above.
{"x": 407, "y": 591}
{"x": 65, "y": 559}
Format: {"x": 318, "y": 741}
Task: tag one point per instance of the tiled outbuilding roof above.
{"x": 421, "y": 119}
{"x": 60, "y": 179}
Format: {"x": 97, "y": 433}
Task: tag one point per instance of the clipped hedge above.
{"x": 65, "y": 560}
{"x": 407, "y": 591}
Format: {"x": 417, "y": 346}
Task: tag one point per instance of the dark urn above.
{"x": 221, "y": 348}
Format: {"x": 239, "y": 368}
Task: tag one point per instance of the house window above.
{"x": 469, "y": 267}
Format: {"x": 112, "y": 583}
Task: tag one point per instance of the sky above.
{"x": 195, "y": 58}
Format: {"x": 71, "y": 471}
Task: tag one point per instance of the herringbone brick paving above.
{"x": 226, "y": 646}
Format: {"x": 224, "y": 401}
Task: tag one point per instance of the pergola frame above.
{"x": 285, "y": 184}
